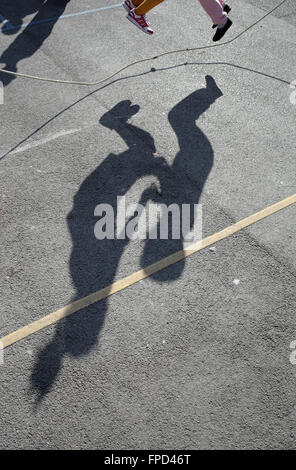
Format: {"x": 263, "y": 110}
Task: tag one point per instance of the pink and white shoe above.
{"x": 140, "y": 21}
{"x": 128, "y": 5}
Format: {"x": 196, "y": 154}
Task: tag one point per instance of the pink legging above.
{"x": 214, "y": 9}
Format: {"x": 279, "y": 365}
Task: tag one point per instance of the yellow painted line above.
{"x": 142, "y": 274}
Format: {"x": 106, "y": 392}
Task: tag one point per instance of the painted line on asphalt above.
{"x": 37, "y": 143}
{"x": 11, "y": 27}
{"x": 142, "y": 274}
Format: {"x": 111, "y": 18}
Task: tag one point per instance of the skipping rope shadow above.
{"x": 128, "y": 77}
{"x": 93, "y": 263}
{"x": 30, "y": 40}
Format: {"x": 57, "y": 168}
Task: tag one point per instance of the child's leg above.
{"x": 143, "y": 6}
{"x": 137, "y": 3}
{"x": 214, "y": 9}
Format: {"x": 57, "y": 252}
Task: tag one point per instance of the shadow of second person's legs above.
{"x": 27, "y": 43}
{"x": 13, "y": 12}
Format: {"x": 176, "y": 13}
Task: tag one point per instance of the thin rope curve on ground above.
{"x": 131, "y": 64}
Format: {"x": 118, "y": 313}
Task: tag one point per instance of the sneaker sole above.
{"x": 225, "y": 29}
{"x": 138, "y": 26}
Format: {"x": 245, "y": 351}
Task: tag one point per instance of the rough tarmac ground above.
{"x": 187, "y": 358}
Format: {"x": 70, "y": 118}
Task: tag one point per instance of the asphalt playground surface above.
{"x": 197, "y": 356}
